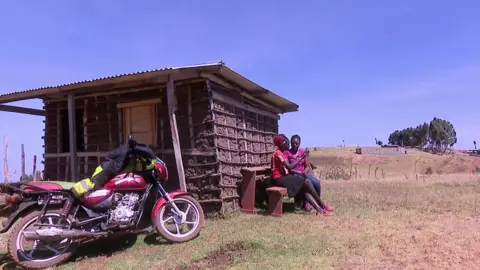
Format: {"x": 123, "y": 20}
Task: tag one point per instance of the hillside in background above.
{"x": 380, "y": 163}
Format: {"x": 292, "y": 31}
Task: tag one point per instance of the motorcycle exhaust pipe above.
{"x": 52, "y": 234}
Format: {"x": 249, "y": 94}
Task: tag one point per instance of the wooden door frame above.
{"x": 124, "y": 107}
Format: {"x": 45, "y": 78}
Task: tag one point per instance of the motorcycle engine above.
{"x": 123, "y": 212}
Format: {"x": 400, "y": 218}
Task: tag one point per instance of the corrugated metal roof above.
{"x": 270, "y": 97}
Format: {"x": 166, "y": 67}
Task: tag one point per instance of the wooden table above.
{"x": 250, "y": 176}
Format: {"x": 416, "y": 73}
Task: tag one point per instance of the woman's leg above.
{"x": 309, "y": 198}
{"x": 316, "y": 183}
{"x": 309, "y": 189}
{"x": 299, "y": 200}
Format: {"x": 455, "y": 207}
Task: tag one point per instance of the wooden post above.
{"x": 5, "y": 159}
{"x": 59, "y": 141}
{"x": 23, "y": 160}
{"x": 72, "y": 137}
{"x": 174, "y": 129}
{"x": 35, "y": 168}
{"x": 190, "y": 120}
{"x": 190, "y": 123}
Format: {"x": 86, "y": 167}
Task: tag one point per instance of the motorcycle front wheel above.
{"x": 180, "y": 227}
{"x": 42, "y": 254}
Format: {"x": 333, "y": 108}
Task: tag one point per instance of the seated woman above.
{"x": 294, "y": 184}
{"x": 304, "y": 169}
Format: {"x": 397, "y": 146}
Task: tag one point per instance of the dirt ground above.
{"x": 431, "y": 222}
{"x": 391, "y": 224}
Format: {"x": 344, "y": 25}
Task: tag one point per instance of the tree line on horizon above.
{"x": 437, "y": 136}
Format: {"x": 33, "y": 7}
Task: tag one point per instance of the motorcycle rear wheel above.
{"x": 15, "y": 247}
{"x": 197, "y": 225}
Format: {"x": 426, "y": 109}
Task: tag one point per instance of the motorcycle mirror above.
{"x": 131, "y": 141}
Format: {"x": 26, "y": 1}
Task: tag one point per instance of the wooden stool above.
{"x": 275, "y": 200}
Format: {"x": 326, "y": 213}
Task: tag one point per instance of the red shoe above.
{"x": 325, "y": 213}
{"x": 328, "y": 207}
{"x": 308, "y": 208}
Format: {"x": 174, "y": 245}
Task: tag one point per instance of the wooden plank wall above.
{"x": 103, "y": 131}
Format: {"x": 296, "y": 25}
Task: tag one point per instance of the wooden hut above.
{"x": 205, "y": 121}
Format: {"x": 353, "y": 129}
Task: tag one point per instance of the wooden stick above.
{"x": 23, "y": 160}
{"x": 15, "y": 109}
{"x": 189, "y": 152}
{"x": 72, "y": 137}
{"x": 5, "y": 159}
{"x": 34, "y": 168}
{"x": 85, "y": 134}
{"x": 174, "y": 130}
{"x": 59, "y": 141}
{"x": 190, "y": 122}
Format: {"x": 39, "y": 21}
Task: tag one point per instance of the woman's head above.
{"x": 295, "y": 141}
{"x": 287, "y": 142}
{"x": 280, "y": 141}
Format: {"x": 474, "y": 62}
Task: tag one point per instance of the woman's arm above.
{"x": 289, "y": 165}
{"x": 307, "y": 165}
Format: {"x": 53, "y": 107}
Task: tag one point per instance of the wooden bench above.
{"x": 275, "y": 200}
{"x": 250, "y": 176}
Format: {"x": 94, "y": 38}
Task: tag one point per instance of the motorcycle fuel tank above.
{"x": 127, "y": 181}
{"x": 98, "y": 198}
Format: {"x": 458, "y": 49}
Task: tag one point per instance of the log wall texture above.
{"x": 243, "y": 139}
{"x": 217, "y": 139}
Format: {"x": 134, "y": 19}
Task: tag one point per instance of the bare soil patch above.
{"x": 221, "y": 258}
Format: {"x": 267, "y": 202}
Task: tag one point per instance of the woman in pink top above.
{"x": 303, "y": 169}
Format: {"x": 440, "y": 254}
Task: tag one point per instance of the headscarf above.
{"x": 279, "y": 140}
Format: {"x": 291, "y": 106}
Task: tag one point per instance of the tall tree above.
{"x": 437, "y": 135}
{"x": 442, "y": 135}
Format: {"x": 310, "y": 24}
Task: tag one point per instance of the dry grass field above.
{"x": 420, "y": 221}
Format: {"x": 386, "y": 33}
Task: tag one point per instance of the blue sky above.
{"x": 358, "y": 69}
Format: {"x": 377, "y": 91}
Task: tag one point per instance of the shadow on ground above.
{"x": 103, "y": 247}
{"x": 91, "y": 249}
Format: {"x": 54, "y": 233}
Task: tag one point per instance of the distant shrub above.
{"x": 429, "y": 170}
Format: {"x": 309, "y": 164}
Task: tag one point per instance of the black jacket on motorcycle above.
{"x": 116, "y": 161}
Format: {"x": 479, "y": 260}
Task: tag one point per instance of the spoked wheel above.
{"x": 38, "y": 254}
{"x": 183, "y": 226}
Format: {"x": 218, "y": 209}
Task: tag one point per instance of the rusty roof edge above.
{"x": 48, "y": 90}
{"x": 287, "y": 105}
{"x": 219, "y": 67}
{"x": 146, "y": 73}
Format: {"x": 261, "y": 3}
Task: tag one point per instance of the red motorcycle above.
{"x": 61, "y": 222}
